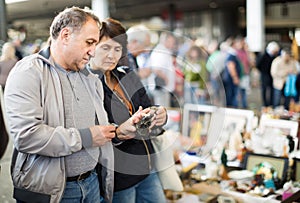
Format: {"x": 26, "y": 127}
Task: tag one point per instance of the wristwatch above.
{"x": 116, "y": 139}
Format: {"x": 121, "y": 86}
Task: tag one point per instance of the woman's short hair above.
{"x": 113, "y": 29}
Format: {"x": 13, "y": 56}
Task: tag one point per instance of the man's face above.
{"x": 286, "y": 57}
{"x": 79, "y": 46}
{"x": 171, "y": 43}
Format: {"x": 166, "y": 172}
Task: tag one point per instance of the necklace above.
{"x": 72, "y": 85}
{"x": 113, "y": 83}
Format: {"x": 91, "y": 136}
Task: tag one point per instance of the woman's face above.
{"x": 193, "y": 56}
{"x": 107, "y": 55}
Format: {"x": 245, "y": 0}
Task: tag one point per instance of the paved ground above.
{"x": 5, "y": 180}
{"x": 254, "y": 100}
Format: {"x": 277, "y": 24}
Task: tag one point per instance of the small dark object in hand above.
{"x": 143, "y": 125}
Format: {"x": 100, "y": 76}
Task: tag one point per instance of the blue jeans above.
{"x": 86, "y": 190}
{"x": 190, "y": 94}
{"x": 148, "y": 190}
{"x": 216, "y": 86}
{"x": 231, "y": 92}
{"x": 277, "y": 94}
{"x": 267, "y": 89}
{"x": 243, "y": 97}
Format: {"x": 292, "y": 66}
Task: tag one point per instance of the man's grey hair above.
{"x": 74, "y": 18}
{"x": 272, "y": 46}
{"x": 138, "y": 33}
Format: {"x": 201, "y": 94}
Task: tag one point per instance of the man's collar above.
{"x": 45, "y": 52}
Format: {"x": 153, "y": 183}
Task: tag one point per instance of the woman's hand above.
{"x": 127, "y": 130}
{"x": 160, "y": 116}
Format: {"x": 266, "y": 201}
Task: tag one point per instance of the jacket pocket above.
{"x": 39, "y": 173}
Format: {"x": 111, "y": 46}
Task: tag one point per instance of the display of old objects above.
{"x": 261, "y": 175}
{"x": 211, "y": 129}
{"x": 237, "y": 126}
{"x": 265, "y": 174}
{"x": 237, "y": 151}
{"x": 273, "y": 136}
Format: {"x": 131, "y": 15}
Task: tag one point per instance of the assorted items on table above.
{"x": 233, "y": 155}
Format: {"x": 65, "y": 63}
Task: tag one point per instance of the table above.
{"x": 191, "y": 194}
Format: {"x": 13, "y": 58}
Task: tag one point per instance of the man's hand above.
{"x": 102, "y": 134}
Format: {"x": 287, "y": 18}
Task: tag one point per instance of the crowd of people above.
{"x": 73, "y": 105}
{"x": 175, "y": 72}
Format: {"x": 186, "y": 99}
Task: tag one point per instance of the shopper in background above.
{"x": 4, "y": 137}
{"x": 7, "y": 61}
{"x": 215, "y": 65}
{"x": 138, "y": 53}
{"x": 195, "y": 74}
{"x": 18, "y": 48}
{"x": 57, "y": 118}
{"x": 138, "y": 43}
{"x": 161, "y": 62}
{"x": 263, "y": 64}
{"x": 135, "y": 178}
{"x": 282, "y": 67}
{"x": 243, "y": 56}
{"x": 232, "y": 75}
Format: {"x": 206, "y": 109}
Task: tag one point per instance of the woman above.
{"x": 282, "y": 67}
{"x": 7, "y": 61}
{"x": 195, "y": 74}
{"x": 231, "y": 76}
{"x": 135, "y": 179}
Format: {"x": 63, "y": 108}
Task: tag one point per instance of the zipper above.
{"x": 148, "y": 154}
{"x": 133, "y": 108}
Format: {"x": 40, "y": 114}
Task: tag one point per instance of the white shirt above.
{"x": 161, "y": 59}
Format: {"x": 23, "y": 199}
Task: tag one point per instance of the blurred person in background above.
{"x": 243, "y": 56}
{"x": 215, "y": 65}
{"x": 195, "y": 76}
{"x": 283, "y": 66}
{"x": 7, "y": 61}
{"x": 138, "y": 43}
{"x": 163, "y": 68}
{"x": 263, "y": 64}
{"x": 139, "y": 51}
{"x": 232, "y": 75}
{"x": 18, "y": 48}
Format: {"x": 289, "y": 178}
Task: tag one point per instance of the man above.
{"x": 232, "y": 75}
{"x": 244, "y": 58}
{"x": 162, "y": 63}
{"x": 139, "y": 51}
{"x": 57, "y": 119}
{"x": 263, "y": 64}
{"x": 138, "y": 42}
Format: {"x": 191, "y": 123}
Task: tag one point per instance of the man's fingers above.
{"x": 110, "y": 135}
